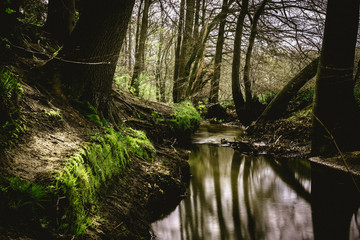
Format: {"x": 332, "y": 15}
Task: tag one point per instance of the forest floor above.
{"x": 55, "y": 131}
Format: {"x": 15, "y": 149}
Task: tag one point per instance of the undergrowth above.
{"x": 18, "y": 194}
{"x": 184, "y": 120}
{"x": 91, "y": 170}
{"x": 11, "y": 121}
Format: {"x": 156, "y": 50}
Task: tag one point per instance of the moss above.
{"x": 92, "y": 169}
{"x": 185, "y": 120}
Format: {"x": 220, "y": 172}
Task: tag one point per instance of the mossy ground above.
{"x": 102, "y": 183}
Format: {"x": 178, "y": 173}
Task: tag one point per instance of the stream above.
{"x": 234, "y": 196}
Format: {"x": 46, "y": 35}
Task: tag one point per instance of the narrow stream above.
{"x": 234, "y": 196}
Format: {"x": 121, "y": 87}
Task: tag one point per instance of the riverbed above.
{"x": 235, "y": 196}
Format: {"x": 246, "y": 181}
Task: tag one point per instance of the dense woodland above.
{"x": 217, "y": 53}
{"x": 234, "y": 60}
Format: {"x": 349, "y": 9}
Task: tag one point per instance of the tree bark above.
{"x": 187, "y": 42}
{"x": 60, "y": 20}
{"x": 215, "y": 81}
{"x": 335, "y": 109}
{"x": 253, "y": 32}
{"x": 177, "y": 52}
{"x": 235, "y": 74}
{"x": 139, "y": 55}
{"x": 277, "y": 106}
{"x": 88, "y": 60}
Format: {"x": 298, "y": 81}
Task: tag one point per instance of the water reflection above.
{"x": 232, "y": 196}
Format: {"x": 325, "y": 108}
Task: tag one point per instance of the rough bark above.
{"x": 177, "y": 52}
{"x": 60, "y": 20}
{"x": 253, "y": 32}
{"x": 235, "y": 74}
{"x": 139, "y": 55}
{"x": 89, "y": 59}
{"x": 335, "y": 109}
{"x": 277, "y": 106}
{"x": 215, "y": 81}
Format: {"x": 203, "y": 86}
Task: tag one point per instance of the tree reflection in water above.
{"x": 233, "y": 196}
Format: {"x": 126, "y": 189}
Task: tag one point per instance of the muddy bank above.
{"x": 127, "y": 204}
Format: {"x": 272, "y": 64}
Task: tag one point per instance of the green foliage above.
{"x": 122, "y": 81}
{"x": 89, "y": 111}
{"x": 11, "y": 122}
{"x": 54, "y": 114}
{"x": 17, "y": 194}
{"x": 157, "y": 118}
{"x": 93, "y": 167}
{"x": 201, "y": 107}
{"x": 268, "y": 97}
{"x": 301, "y": 115}
{"x": 185, "y": 119}
{"x": 306, "y": 96}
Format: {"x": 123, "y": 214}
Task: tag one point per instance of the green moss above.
{"x": 185, "y": 120}
{"x": 157, "y": 118}
{"x": 91, "y": 170}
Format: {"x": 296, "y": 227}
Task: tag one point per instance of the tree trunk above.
{"x": 277, "y": 106}
{"x": 235, "y": 74}
{"x": 89, "y": 59}
{"x": 335, "y": 109}
{"x": 139, "y": 55}
{"x": 177, "y": 52}
{"x": 60, "y": 20}
{"x": 158, "y": 77}
{"x": 187, "y": 42}
{"x": 215, "y": 81}
{"x": 247, "y": 82}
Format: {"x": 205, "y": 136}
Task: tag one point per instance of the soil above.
{"x": 141, "y": 194}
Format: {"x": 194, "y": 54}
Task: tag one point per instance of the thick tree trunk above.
{"x": 335, "y": 109}
{"x": 235, "y": 74}
{"x": 215, "y": 81}
{"x": 253, "y": 32}
{"x": 60, "y": 20}
{"x": 277, "y": 106}
{"x": 89, "y": 58}
{"x": 177, "y": 52}
{"x": 139, "y": 55}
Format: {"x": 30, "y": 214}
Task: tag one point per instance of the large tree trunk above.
{"x": 235, "y": 74}
{"x": 89, "y": 59}
{"x": 60, "y": 20}
{"x": 177, "y": 52}
{"x": 253, "y": 32}
{"x": 277, "y": 106}
{"x": 215, "y": 81}
{"x": 139, "y": 54}
{"x": 335, "y": 110}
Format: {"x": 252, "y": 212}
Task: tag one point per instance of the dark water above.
{"x": 233, "y": 196}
